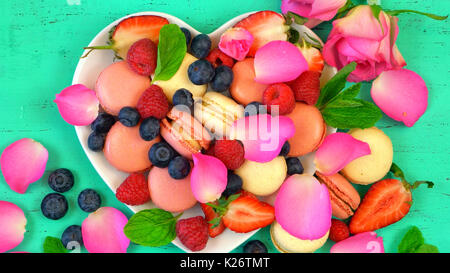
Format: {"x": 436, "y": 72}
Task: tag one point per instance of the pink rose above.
{"x": 316, "y": 10}
{"x": 360, "y": 37}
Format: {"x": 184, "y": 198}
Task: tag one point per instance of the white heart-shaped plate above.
{"x": 87, "y": 72}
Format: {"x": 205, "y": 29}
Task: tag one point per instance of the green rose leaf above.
{"x": 54, "y": 245}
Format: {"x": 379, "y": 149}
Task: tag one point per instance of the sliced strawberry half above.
{"x": 313, "y": 56}
{"x": 213, "y": 229}
{"x": 265, "y": 26}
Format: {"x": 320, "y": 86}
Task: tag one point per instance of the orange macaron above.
{"x": 244, "y": 88}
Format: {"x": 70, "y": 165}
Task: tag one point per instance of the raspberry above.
{"x": 134, "y": 190}
{"x": 142, "y": 57}
{"x": 306, "y": 87}
{"x": 230, "y": 152}
{"x": 218, "y": 58}
{"x": 281, "y": 95}
{"x": 193, "y": 232}
{"x": 153, "y": 103}
{"x": 339, "y": 230}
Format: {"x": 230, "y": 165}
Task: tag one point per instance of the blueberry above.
{"x": 96, "y": 141}
{"x": 61, "y": 180}
{"x": 234, "y": 184}
{"x": 160, "y": 154}
{"x": 255, "y": 108}
{"x": 149, "y": 129}
{"x": 103, "y": 123}
{"x": 54, "y": 206}
{"x": 183, "y": 97}
{"x": 72, "y": 234}
{"x": 187, "y": 34}
{"x": 255, "y": 246}
{"x": 89, "y": 200}
{"x": 201, "y": 72}
{"x": 294, "y": 166}
{"x": 222, "y": 79}
{"x": 285, "y": 149}
{"x": 200, "y": 46}
{"x": 179, "y": 167}
{"x": 129, "y": 116}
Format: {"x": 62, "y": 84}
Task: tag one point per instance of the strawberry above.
{"x": 134, "y": 190}
{"x": 338, "y": 231}
{"x": 217, "y": 58}
{"x": 280, "y": 95}
{"x": 142, "y": 57}
{"x": 210, "y": 214}
{"x": 313, "y": 56}
{"x": 130, "y": 30}
{"x": 265, "y": 26}
{"x": 306, "y": 87}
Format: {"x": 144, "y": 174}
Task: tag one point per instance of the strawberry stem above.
{"x": 92, "y": 48}
{"x": 397, "y": 172}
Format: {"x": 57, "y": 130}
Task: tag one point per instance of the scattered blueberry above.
{"x": 234, "y": 184}
{"x": 160, "y": 154}
{"x": 179, "y": 167}
{"x": 255, "y": 246}
{"x": 61, "y": 180}
{"x": 149, "y": 129}
{"x": 54, "y": 206}
{"x": 72, "y": 234}
{"x": 285, "y": 149}
{"x": 96, "y": 141}
{"x": 89, "y": 200}
{"x": 187, "y": 34}
{"x": 200, "y": 46}
{"x": 255, "y": 108}
{"x": 201, "y": 72}
{"x": 183, "y": 97}
{"x": 222, "y": 79}
{"x": 129, "y": 116}
{"x": 103, "y": 123}
{"x": 294, "y": 166}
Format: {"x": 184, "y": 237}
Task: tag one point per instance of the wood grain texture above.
{"x": 40, "y": 42}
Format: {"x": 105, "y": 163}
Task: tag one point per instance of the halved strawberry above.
{"x": 265, "y": 26}
{"x": 210, "y": 214}
{"x": 313, "y": 56}
{"x": 246, "y": 214}
{"x": 133, "y": 29}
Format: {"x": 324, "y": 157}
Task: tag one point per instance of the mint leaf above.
{"x": 152, "y": 227}
{"x": 430, "y": 15}
{"x": 412, "y": 240}
{"x": 426, "y": 248}
{"x": 171, "y": 52}
{"x": 348, "y": 93}
{"x": 54, "y": 245}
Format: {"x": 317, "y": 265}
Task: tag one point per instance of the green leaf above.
{"x": 342, "y": 11}
{"x": 153, "y": 227}
{"x": 171, "y": 52}
{"x": 411, "y": 241}
{"x": 54, "y": 245}
{"x": 426, "y": 248}
{"x": 300, "y": 20}
{"x": 376, "y": 10}
{"x": 348, "y": 93}
{"x": 430, "y": 15}
{"x": 335, "y": 85}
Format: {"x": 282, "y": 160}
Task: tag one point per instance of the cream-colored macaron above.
{"x": 263, "y": 179}
{"x": 370, "y": 168}
{"x": 286, "y": 243}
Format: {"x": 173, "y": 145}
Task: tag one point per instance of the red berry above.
{"x": 153, "y": 103}
{"x": 210, "y": 215}
{"x": 142, "y": 57}
{"x": 281, "y": 95}
{"x": 193, "y": 232}
{"x": 218, "y": 58}
{"x": 306, "y": 87}
{"x": 230, "y": 152}
{"x": 134, "y": 190}
{"x": 339, "y": 230}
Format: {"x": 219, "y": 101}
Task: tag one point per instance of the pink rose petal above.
{"x": 22, "y": 163}
{"x": 236, "y": 43}
{"x": 78, "y": 105}
{"x": 279, "y": 61}
{"x": 12, "y": 226}
{"x": 366, "y": 242}
{"x": 102, "y": 231}
{"x": 401, "y": 94}
{"x": 320, "y": 9}
{"x": 303, "y": 208}
{"x": 337, "y": 150}
{"x": 263, "y": 136}
{"x": 208, "y": 178}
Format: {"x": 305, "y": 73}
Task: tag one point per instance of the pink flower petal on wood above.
{"x": 22, "y": 163}
{"x": 12, "y": 226}
{"x": 401, "y": 94}
{"x": 279, "y": 61}
{"x": 208, "y": 178}
{"x": 337, "y": 150}
{"x": 366, "y": 242}
{"x": 303, "y": 208}
{"x": 236, "y": 43}
{"x": 263, "y": 136}
{"x": 78, "y": 105}
{"x": 102, "y": 231}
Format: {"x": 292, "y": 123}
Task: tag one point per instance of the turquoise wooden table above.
{"x": 41, "y": 41}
